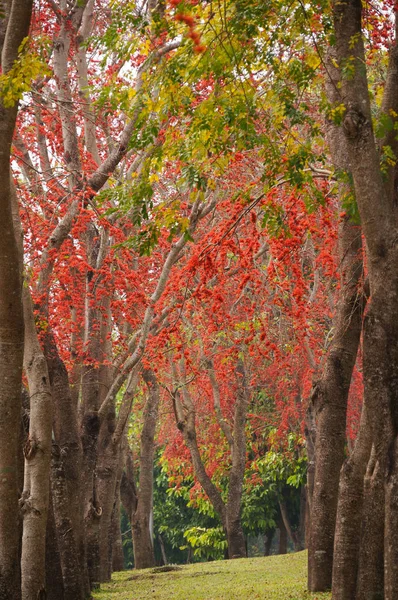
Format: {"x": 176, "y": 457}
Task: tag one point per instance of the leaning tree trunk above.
{"x": 14, "y": 27}
{"x": 184, "y": 412}
{"x": 294, "y": 537}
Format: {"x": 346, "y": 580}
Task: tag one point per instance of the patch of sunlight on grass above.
{"x": 269, "y": 578}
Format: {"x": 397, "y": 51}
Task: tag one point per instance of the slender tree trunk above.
{"x": 117, "y": 542}
{"x": 269, "y": 536}
{"x": 229, "y": 513}
{"x": 34, "y": 500}
{"x": 163, "y": 550}
{"x": 235, "y": 536}
{"x": 282, "y": 537}
{"x": 292, "y": 535}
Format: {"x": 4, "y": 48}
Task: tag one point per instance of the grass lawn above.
{"x": 271, "y": 578}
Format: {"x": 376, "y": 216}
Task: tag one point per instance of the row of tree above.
{"x": 202, "y": 257}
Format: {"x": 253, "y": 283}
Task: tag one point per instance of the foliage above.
{"x": 26, "y": 69}
{"x": 174, "y": 516}
{"x": 207, "y": 543}
{"x": 275, "y": 476}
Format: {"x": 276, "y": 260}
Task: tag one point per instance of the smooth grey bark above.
{"x": 34, "y": 501}
{"x": 35, "y": 497}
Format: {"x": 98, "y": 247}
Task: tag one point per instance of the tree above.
{"x": 138, "y": 499}
{"x": 374, "y": 192}
{"x": 13, "y": 29}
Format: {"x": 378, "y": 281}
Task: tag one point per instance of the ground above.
{"x": 270, "y": 578}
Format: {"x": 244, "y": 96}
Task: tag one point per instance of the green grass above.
{"x": 271, "y": 578}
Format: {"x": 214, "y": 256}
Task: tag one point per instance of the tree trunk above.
{"x": 185, "y": 416}
{"x": 391, "y": 528}
{"x": 144, "y": 555}
{"x": 54, "y": 581}
{"x": 106, "y": 483}
{"x": 370, "y": 568}
{"x": 74, "y": 584}
{"x": 142, "y": 541}
{"x": 282, "y": 537}
{"x": 15, "y": 25}
{"x": 35, "y": 497}
{"x": 66, "y": 482}
{"x": 235, "y": 537}
{"x": 269, "y": 536}
{"x": 376, "y": 197}
{"x": 117, "y": 542}
{"x": 34, "y": 500}
{"x": 329, "y": 397}
{"x": 349, "y": 515}
{"x": 292, "y": 535}
{"x": 163, "y": 550}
